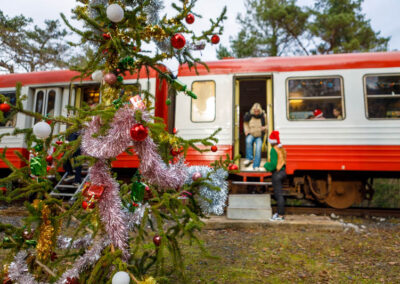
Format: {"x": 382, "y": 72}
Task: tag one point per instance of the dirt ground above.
{"x": 293, "y": 254}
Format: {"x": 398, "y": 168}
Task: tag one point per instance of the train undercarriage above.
{"x": 334, "y": 189}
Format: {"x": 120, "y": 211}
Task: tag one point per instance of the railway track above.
{"x": 362, "y": 212}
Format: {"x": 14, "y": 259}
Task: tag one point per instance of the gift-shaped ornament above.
{"x": 92, "y": 190}
{"x": 137, "y": 102}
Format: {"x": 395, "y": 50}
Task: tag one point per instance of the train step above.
{"x": 252, "y": 182}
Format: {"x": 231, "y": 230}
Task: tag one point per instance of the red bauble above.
{"x": 233, "y": 167}
{"x": 48, "y": 168}
{"x": 49, "y": 159}
{"x": 196, "y": 176}
{"x": 110, "y": 78}
{"x": 214, "y": 148}
{"x": 59, "y": 142}
{"x": 178, "y": 41}
{"x": 215, "y": 39}
{"x": 72, "y": 281}
{"x": 190, "y": 18}
{"x": 175, "y": 152}
{"x": 174, "y": 131}
{"x": 106, "y": 36}
{"x": 84, "y": 205}
{"x": 5, "y": 107}
{"x": 139, "y": 132}
{"x": 157, "y": 240}
{"x": 147, "y": 188}
{"x": 53, "y": 256}
{"x": 3, "y": 189}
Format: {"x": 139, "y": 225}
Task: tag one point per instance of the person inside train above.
{"x": 337, "y": 113}
{"x": 318, "y": 114}
{"x": 277, "y": 165}
{"x": 254, "y": 125}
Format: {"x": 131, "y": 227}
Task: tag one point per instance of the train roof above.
{"x": 54, "y": 77}
{"x": 297, "y": 63}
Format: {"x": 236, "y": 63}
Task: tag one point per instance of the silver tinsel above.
{"x": 211, "y": 201}
{"x": 85, "y": 261}
{"x": 135, "y": 218}
{"x": 66, "y": 242}
{"x": 18, "y": 270}
{"x": 152, "y": 10}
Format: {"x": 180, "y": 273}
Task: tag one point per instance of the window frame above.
{"x": 343, "y": 102}
{"x": 364, "y": 78}
{"x": 215, "y": 105}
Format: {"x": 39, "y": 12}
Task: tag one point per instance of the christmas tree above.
{"x": 114, "y": 232}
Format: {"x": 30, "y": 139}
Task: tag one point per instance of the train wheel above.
{"x": 343, "y": 194}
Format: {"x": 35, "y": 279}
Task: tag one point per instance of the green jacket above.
{"x": 274, "y": 160}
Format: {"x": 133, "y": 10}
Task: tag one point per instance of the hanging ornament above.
{"x": 215, "y": 39}
{"x": 110, "y": 78}
{"x": 196, "y": 176}
{"x": 85, "y": 204}
{"x": 157, "y": 240}
{"x": 42, "y": 130}
{"x": 38, "y": 166}
{"x": 106, "y": 36}
{"x": 175, "y": 152}
{"x": 189, "y": 18}
{"x": 214, "y": 148}
{"x": 137, "y": 102}
{"x": 53, "y": 256}
{"x": 3, "y": 189}
{"x": 28, "y": 234}
{"x": 174, "y": 131}
{"x": 4, "y": 107}
{"x": 233, "y": 167}
{"x": 137, "y": 191}
{"x": 97, "y": 76}
{"x": 38, "y": 147}
{"x": 120, "y": 79}
{"x": 115, "y": 13}
{"x": 139, "y": 132}
{"x": 121, "y": 277}
{"x": 49, "y": 159}
{"x": 178, "y": 41}
{"x": 48, "y": 168}
{"x": 168, "y": 102}
{"x": 198, "y": 45}
{"x": 70, "y": 280}
{"x": 92, "y": 190}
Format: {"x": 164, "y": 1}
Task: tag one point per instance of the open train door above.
{"x": 250, "y": 90}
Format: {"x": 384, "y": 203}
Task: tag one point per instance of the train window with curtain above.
{"x": 203, "y": 108}
{"x": 12, "y": 122}
{"x": 315, "y": 98}
{"x": 382, "y": 94}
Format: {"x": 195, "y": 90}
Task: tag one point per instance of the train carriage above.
{"x": 329, "y": 160}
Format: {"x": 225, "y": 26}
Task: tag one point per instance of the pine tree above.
{"x": 114, "y": 229}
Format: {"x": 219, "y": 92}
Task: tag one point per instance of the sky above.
{"x": 382, "y": 13}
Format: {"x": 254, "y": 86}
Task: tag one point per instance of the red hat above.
{"x": 274, "y": 138}
{"x": 318, "y": 113}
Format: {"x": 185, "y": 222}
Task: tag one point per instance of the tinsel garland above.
{"x": 135, "y": 218}
{"x": 66, "y": 242}
{"x": 211, "y": 201}
{"x": 45, "y": 243}
{"x": 110, "y": 206}
{"x": 18, "y": 270}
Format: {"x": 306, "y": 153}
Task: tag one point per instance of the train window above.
{"x": 13, "y": 99}
{"x": 382, "y": 96}
{"x": 91, "y": 95}
{"x": 203, "y": 108}
{"x": 51, "y": 100}
{"x": 307, "y": 95}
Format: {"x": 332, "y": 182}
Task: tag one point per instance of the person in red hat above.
{"x": 318, "y": 114}
{"x": 277, "y": 165}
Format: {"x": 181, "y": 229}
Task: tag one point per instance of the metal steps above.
{"x": 68, "y": 190}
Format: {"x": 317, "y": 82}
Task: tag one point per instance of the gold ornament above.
{"x": 45, "y": 243}
{"x": 149, "y": 280}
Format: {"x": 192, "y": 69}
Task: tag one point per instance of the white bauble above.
{"x": 97, "y": 76}
{"x": 121, "y": 277}
{"x": 115, "y": 13}
{"x": 42, "y": 130}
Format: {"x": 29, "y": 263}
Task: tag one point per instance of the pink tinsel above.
{"x": 114, "y": 219}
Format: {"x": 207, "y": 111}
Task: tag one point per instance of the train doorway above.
{"x": 249, "y": 91}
